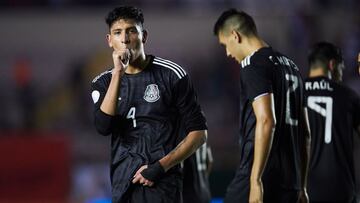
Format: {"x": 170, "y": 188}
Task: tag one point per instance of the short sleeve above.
{"x": 188, "y": 106}
{"x": 257, "y": 80}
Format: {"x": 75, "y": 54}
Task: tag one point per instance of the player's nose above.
{"x": 125, "y": 38}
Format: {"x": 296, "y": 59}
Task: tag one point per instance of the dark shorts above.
{"x": 166, "y": 191}
{"x": 239, "y": 190}
{"x": 141, "y": 194}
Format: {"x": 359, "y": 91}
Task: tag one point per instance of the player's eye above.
{"x": 116, "y": 32}
{"x": 133, "y": 31}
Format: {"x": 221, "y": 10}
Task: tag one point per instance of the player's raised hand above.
{"x": 121, "y": 57}
{"x": 138, "y": 178}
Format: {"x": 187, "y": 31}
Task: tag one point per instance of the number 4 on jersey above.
{"x": 131, "y": 115}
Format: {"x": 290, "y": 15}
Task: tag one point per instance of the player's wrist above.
{"x": 117, "y": 72}
{"x": 153, "y": 172}
{"x": 255, "y": 180}
{"x": 303, "y": 190}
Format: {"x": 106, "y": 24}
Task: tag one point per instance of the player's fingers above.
{"x": 150, "y": 183}
{"x": 136, "y": 179}
{"x": 142, "y": 180}
{"x": 146, "y": 183}
{"x": 139, "y": 170}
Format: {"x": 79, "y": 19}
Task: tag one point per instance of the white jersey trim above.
{"x": 246, "y": 61}
{"x": 260, "y": 95}
{"x": 101, "y": 74}
{"x": 180, "y": 72}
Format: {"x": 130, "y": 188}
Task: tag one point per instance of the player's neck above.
{"x": 254, "y": 44}
{"x": 318, "y": 72}
{"x": 138, "y": 64}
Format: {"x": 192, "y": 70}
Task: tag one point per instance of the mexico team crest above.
{"x": 152, "y": 93}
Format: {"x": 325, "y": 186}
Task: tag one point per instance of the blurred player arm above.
{"x": 304, "y": 153}
{"x": 264, "y": 132}
{"x": 209, "y": 160}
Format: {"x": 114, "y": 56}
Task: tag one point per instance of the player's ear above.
{"x": 332, "y": 65}
{"x": 108, "y": 39}
{"x": 237, "y": 36}
{"x": 144, "y": 36}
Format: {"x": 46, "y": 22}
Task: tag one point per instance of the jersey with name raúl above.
{"x": 263, "y": 72}
{"x": 146, "y": 125}
{"x": 334, "y": 113}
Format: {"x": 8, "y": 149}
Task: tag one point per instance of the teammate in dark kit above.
{"x": 334, "y": 114}
{"x": 274, "y": 135}
{"x": 140, "y": 102}
{"x": 196, "y": 170}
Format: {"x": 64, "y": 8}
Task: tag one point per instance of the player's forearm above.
{"x": 305, "y": 162}
{"x": 210, "y": 161}
{"x": 264, "y": 133}
{"x": 184, "y": 149}
{"x": 305, "y": 148}
{"x": 110, "y": 101}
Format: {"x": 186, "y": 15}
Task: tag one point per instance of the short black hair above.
{"x": 244, "y": 21}
{"x": 125, "y": 12}
{"x": 323, "y": 52}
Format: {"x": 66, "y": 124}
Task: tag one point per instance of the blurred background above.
{"x": 50, "y": 50}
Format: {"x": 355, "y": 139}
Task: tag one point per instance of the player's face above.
{"x": 127, "y": 32}
{"x": 231, "y": 45}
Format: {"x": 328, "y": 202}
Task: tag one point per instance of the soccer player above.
{"x": 334, "y": 114}
{"x": 274, "y": 135}
{"x": 196, "y": 170}
{"x": 140, "y": 102}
